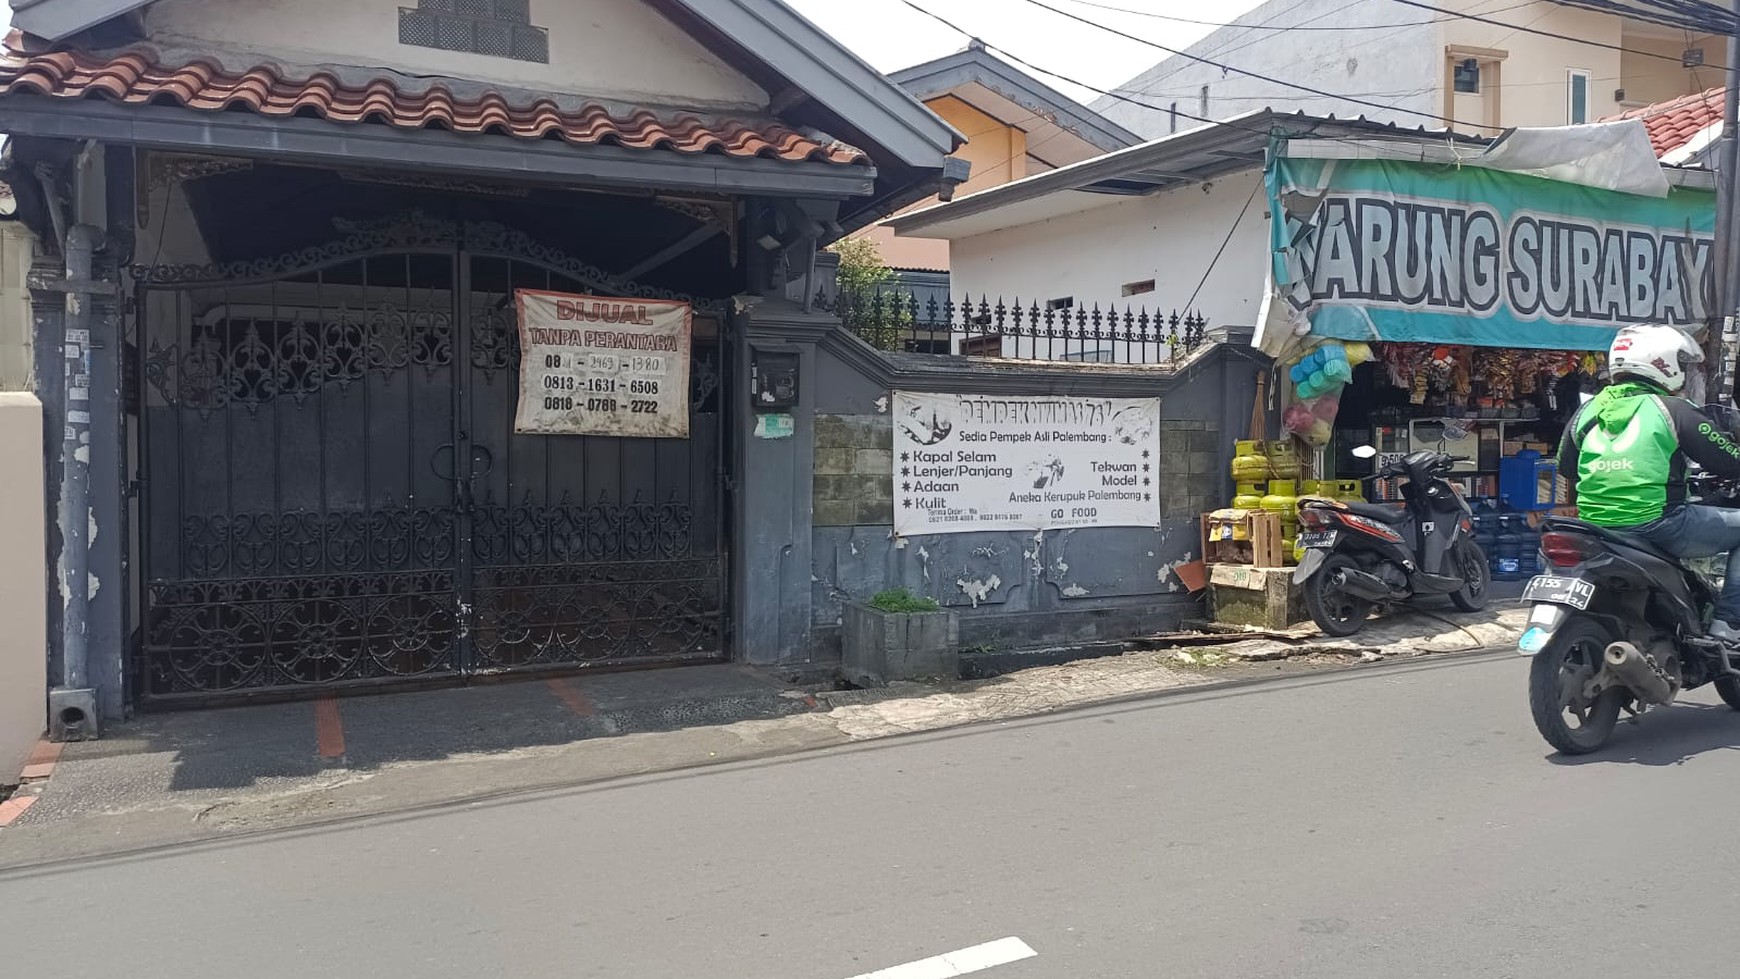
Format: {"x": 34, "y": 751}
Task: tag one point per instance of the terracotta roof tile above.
{"x": 135, "y": 76}
{"x": 1673, "y": 124}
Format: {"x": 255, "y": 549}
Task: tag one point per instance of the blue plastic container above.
{"x": 1528, "y": 482}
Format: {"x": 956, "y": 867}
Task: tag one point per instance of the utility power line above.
{"x": 1553, "y": 34}
{"x": 1266, "y": 26}
{"x": 1681, "y": 14}
{"x": 1023, "y": 62}
{"x": 1235, "y": 70}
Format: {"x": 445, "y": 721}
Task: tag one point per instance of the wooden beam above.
{"x": 681, "y": 246}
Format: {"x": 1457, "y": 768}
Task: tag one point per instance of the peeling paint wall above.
{"x": 1018, "y": 589}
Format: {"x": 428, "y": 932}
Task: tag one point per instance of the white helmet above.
{"x": 1653, "y": 353}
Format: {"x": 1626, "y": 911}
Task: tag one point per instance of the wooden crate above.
{"x": 1262, "y": 547}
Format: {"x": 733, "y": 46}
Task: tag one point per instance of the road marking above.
{"x": 976, "y": 959}
{"x": 569, "y": 692}
{"x": 328, "y": 728}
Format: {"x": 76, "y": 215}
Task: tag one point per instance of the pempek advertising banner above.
{"x": 1429, "y": 253}
{"x": 975, "y": 462}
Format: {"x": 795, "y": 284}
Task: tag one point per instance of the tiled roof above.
{"x": 1673, "y": 124}
{"x": 135, "y": 76}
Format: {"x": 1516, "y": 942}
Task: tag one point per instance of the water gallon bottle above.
{"x": 1508, "y": 564}
{"x": 1530, "y": 557}
{"x": 1486, "y": 533}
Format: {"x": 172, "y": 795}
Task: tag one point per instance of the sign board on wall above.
{"x": 591, "y": 365}
{"x": 1429, "y": 253}
{"x": 977, "y": 462}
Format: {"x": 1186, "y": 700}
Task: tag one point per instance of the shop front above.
{"x": 1467, "y": 310}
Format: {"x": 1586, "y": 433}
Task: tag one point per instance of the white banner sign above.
{"x": 975, "y": 462}
{"x": 596, "y": 366}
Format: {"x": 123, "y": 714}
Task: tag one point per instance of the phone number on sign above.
{"x": 563, "y": 402}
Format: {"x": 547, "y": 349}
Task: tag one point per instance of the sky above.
{"x": 891, "y": 35}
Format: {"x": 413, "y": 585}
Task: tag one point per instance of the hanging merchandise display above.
{"x": 1483, "y": 382}
{"x": 1318, "y": 379}
{"x": 1500, "y": 411}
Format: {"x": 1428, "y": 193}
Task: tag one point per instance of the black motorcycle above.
{"x": 1618, "y": 624}
{"x": 1359, "y": 556}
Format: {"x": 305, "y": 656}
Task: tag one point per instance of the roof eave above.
{"x": 810, "y": 58}
{"x": 831, "y": 76}
{"x": 56, "y": 20}
{"x": 325, "y": 142}
{"x": 938, "y": 77}
{"x": 1250, "y": 129}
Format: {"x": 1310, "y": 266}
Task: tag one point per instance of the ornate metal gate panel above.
{"x": 333, "y": 492}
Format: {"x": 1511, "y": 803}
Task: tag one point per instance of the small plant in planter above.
{"x": 901, "y": 601}
{"x": 899, "y": 636}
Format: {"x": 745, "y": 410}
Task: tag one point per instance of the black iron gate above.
{"x": 333, "y": 492}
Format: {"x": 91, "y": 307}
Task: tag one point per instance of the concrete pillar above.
{"x": 773, "y": 499}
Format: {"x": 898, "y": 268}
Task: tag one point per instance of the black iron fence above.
{"x": 897, "y": 320}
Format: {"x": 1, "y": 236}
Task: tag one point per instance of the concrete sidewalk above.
{"x": 179, "y": 777}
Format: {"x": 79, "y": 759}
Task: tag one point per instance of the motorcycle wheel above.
{"x": 1556, "y": 681}
{"x": 1335, "y": 612}
{"x": 1476, "y": 576}
{"x": 1728, "y": 688}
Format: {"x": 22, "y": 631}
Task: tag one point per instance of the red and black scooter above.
{"x": 1360, "y": 556}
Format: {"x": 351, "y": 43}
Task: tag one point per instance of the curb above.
{"x": 37, "y": 770}
{"x": 750, "y": 758}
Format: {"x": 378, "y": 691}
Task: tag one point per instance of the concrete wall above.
{"x": 601, "y": 49}
{"x": 998, "y": 154}
{"x": 17, "y": 249}
{"x": 1648, "y": 80}
{"x": 1017, "y": 588}
{"x": 1393, "y": 66}
{"x": 1534, "y": 80}
{"x": 23, "y": 584}
{"x": 1169, "y": 237}
{"x": 1398, "y": 73}
{"x": 813, "y": 521}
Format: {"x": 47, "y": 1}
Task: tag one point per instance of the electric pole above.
{"x": 1719, "y": 345}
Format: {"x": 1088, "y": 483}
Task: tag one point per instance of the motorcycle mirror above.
{"x": 1364, "y": 452}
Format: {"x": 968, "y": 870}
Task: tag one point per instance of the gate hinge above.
{"x": 133, "y": 488}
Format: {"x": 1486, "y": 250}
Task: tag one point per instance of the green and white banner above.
{"x": 1431, "y": 253}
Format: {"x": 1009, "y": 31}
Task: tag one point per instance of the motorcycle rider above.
{"x": 1624, "y": 454}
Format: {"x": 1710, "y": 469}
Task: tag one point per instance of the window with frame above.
{"x": 497, "y": 28}
{"x": 1577, "y": 96}
{"x": 1466, "y": 77}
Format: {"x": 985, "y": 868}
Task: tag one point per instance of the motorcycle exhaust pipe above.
{"x": 1629, "y": 666}
{"x": 1365, "y": 585}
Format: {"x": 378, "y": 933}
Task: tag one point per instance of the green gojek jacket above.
{"x": 1625, "y": 454}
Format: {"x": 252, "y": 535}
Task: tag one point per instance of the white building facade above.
{"x": 1492, "y": 64}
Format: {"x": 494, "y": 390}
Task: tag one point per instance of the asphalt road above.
{"x": 1399, "y": 822}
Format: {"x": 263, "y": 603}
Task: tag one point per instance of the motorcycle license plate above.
{"x": 1317, "y": 538}
{"x": 1574, "y": 592}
